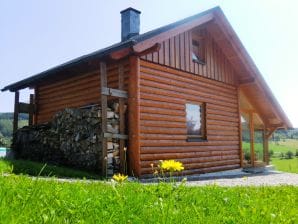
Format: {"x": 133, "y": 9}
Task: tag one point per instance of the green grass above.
{"x": 284, "y": 146}
{"x": 286, "y": 165}
{"x": 34, "y": 169}
{"x": 24, "y": 200}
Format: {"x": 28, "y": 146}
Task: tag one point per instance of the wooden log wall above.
{"x": 164, "y": 92}
{"x": 176, "y": 52}
{"x": 74, "y": 92}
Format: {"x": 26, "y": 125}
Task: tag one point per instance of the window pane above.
{"x": 193, "y": 119}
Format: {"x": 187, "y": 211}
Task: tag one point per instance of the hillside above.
{"x": 6, "y": 126}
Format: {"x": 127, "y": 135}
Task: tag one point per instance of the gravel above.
{"x": 273, "y": 178}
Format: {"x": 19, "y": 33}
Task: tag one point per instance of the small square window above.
{"x": 195, "y": 121}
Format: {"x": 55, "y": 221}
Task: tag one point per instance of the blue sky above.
{"x": 36, "y": 35}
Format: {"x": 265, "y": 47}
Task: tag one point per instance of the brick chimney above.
{"x": 130, "y": 23}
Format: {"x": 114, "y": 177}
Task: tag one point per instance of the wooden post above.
{"x": 121, "y": 120}
{"x": 240, "y": 130}
{"x": 266, "y": 147}
{"x": 134, "y": 116}
{"x": 31, "y": 110}
{"x": 16, "y": 111}
{"x": 104, "y": 104}
{"x": 252, "y": 139}
{"x": 35, "y": 112}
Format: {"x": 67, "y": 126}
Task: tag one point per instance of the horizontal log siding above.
{"x": 74, "y": 92}
{"x": 164, "y": 92}
{"x": 176, "y": 52}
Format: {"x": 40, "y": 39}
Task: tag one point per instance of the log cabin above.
{"x": 192, "y": 90}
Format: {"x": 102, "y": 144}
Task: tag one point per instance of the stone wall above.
{"x": 72, "y": 138}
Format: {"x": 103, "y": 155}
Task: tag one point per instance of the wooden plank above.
{"x": 104, "y": 105}
{"x": 114, "y": 92}
{"x": 188, "y": 160}
{"x": 147, "y": 173}
{"x": 161, "y": 54}
{"x": 116, "y": 136}
{"x": 207, "y": 150}
{"x": 191, "y": 63}
{"x": 184, "y": 143}
{"x": 182, "y": 51}
{"x": 166, "y": 70}
{"x": 172, "y": 52}
{"x": 166, "y": 44}
{"x": 24, "y": 108}
{"x": 177, "y": 52}
{"x": 197, "y": 97}
{"x": 187, "y": 51}
{"x": 122, "y": 153}
{"x": 134, "y": 116}
{"x": 155, "y": 57}
{"x": 16, "y": 111}
{"x": 204, "y": 167}
{"x": 193, "y": 84}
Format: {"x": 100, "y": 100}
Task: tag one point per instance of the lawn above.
{"x": 286, "y": 165}
{"x": 284, "y": 146}
{"x": 278, "y": 148}
{"x": 35, "y": 169}
{"x": 24, "y": 200}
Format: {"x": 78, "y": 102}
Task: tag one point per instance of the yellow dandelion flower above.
{"x": 172, "y": 165}
{"x": 119, "y": 177}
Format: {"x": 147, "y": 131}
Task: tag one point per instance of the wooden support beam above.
{"x": 31, "y": 110}
{"x": 116, "y": 136}
{"x": 24, "y": 108}
{"x": 36, "y": 96}
{"x": 16, "y": 111}
{"x": 122, "y": 153}
{"x": 117, "y": 55}
{"x": 104, "y": 105}
{"x": 266, "y": 147}
{"x": 271, "y": 131}
{"x": 134, "y": 116}
{"x": 252, "y": 138}
{"x": 114, "y": 92}
{"x": 154, "y": 48}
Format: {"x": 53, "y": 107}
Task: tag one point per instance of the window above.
{"x": 198, "y": 47}
{"x": 195, "y": 121}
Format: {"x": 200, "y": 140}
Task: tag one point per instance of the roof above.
{"x": 225, "y": 36}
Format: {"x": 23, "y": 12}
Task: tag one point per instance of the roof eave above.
{"x": 28, "y": 82}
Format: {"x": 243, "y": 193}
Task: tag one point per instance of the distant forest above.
{"x": 6, "y": 126}
{"x": 277, "y": 136}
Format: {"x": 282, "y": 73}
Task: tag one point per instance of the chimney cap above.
{"x": 130, "y": 9}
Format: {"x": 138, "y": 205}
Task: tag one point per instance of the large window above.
{"x": 195, "y": 121}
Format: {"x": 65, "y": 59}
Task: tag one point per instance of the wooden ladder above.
{"x": 121, "y": 95}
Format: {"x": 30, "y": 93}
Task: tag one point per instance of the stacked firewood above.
{"x": 72, "y": 138}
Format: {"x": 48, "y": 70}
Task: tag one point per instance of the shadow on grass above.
{"x": 40, "y": 169}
